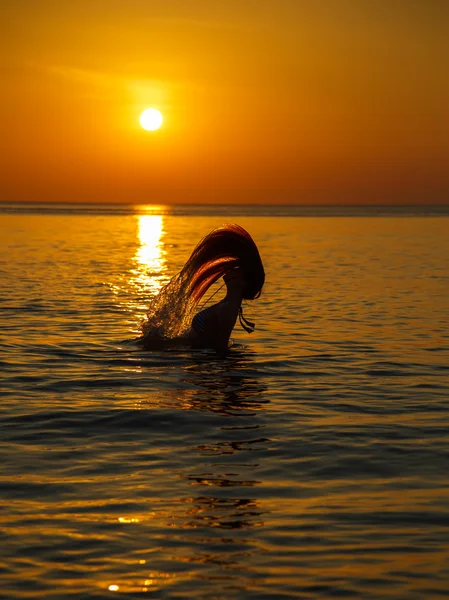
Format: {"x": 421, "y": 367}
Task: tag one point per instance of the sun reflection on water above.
{"x": 148, "y": 274}
{"x": 128, "y": 520}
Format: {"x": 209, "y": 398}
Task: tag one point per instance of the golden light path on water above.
{"x": 150, "y": 254}
{"x": 146, "y": 274}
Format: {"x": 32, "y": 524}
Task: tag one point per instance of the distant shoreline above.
{"x": 225, "y": 210}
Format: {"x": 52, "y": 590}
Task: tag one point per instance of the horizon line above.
{"x": 211, "y": 204}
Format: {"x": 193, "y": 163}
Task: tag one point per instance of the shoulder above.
{"x": 218, "y": 324}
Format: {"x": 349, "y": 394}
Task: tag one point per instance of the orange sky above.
{"x": 300, "y": 101}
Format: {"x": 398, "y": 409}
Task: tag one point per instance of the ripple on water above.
{"x": 310, "y": 463}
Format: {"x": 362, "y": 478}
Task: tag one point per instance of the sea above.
{"x": 311, "y": 462}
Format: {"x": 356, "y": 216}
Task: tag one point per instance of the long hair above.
{"x": 224, "y": 249}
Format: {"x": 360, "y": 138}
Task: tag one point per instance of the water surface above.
{"x": 310, "y": 463}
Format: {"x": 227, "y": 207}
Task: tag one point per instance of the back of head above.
{"x": 224, "y": 249}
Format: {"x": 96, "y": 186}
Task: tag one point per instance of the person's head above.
{"x": 225, "y": 250}
{"x": 235, "y": 280}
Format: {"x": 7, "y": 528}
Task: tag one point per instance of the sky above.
{"x": 264, "y": 101}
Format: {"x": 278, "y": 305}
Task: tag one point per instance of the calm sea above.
{"x": 312, "y": 462}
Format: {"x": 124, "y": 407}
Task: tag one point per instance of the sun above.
{"x": 151, "y": 119}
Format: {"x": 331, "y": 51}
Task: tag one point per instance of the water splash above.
{"x": 170, "y": 312}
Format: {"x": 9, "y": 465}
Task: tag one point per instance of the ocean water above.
{"x": 312, "y": 462}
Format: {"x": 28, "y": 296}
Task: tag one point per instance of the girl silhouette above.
{"x": 228, "y": 252}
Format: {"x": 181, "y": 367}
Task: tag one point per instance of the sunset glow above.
{"x": 308, "y": 103}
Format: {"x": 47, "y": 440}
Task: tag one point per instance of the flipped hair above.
{"x": 224, "y": 249}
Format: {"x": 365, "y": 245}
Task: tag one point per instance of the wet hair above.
{"x": 224, "y": 249}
